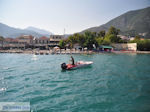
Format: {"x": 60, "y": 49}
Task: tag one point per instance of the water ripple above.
{"x": 114, "y": 83}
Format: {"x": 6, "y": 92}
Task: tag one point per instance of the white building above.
{"x": 127, "y": 46}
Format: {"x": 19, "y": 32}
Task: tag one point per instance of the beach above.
{"x": 46, "y": 52}
{"x": 68, "y": 51}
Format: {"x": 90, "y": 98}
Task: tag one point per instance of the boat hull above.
{"x": 79, "y": 64}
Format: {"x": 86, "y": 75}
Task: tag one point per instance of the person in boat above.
{"x": 72, "y": 59}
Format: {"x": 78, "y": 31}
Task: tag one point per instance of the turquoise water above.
{"x": 114, "y": 83}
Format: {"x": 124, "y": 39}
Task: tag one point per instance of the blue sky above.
{"x": 73, "y": 15}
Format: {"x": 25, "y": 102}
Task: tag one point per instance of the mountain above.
{"x": 40, "y": 31}
{"x": 7, "y": 31}
{"x": 132, "y": 23}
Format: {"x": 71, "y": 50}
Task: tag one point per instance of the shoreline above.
{"x": 49, "y": 52}
{"x": 46, "y": 52}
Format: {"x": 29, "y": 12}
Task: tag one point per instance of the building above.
{"x": 77, "y": 47}
{"x": 105, "y": 48}
{"x": 45, "y": 42}
{"x": 28, "y": 41}
{"x": 127, "y": 46}
{"x": 123, "y": 37}
{"x": 25, "y": 39}
{"x": 1, "y": 44}
{"x": 11, "y": 43}
{"x": 54, "y": 39}
{"x": 142, "y": 39}
{"x": 131, "y": 38}
{"x": 42, "y": 42}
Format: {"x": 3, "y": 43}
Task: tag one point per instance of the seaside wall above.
{"x": 127, "y": 46}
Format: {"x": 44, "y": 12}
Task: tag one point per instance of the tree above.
{"x": 137, "y": 37}
{"x": 113, "y": 30}
{"x": 81, "y": 40}
{"x": 101, "y": 33}
{"x": 142, "y": 45}
{"x": 72, "y": 40}
{"x": 90, "y": 39}
{"x": 94, "y": 34}
{"x": 123, "y": 41}
{"x": 112, "y": 38}
{"x": 2, "y": 40}
{"x": 99, "y": 41}
{"x": 106, "y": 42}
{"x": 62, "y": 44}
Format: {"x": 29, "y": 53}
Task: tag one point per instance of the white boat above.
{"x": 79, "y": 64}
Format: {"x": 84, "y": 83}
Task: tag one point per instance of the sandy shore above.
{"x": 47, "y": 52}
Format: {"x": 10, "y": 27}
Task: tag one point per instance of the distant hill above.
{"x": 7, "y": 31}
{"x": 132, "y": 23}
{"x": 40, "y": 31}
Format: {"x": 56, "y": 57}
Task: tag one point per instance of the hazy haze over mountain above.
{"x": 7, "y": 31}
{"x": 41, "y": 31}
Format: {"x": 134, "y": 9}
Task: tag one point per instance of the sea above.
{"x": 113, "y": 83}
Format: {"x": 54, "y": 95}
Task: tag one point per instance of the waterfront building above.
{"x": 11, "y": 43}
{"x": 25, "y": 39}
{"x": 41, "y": 43}
{"x": 125, "y": 46}
{"x": 46, "y": 43}
{"x": 77, "y": 47}
{"x": 54, "y": 39}
{"x": 28, "y": 41}
{"x": 105, "y": 48}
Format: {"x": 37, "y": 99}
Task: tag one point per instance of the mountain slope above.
{"x": 130, "y": 23}
{"x": 7, "y": 31}
{"x": 40, "y": 31}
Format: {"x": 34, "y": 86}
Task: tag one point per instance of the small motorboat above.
{"x": 79, "y": 64}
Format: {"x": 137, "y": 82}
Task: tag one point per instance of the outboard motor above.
{"x": 64, "y": 66}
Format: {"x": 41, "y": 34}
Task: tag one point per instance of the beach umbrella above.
{"x": 56, "y": 47}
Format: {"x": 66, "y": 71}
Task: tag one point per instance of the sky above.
{"x": 71, "y": 15}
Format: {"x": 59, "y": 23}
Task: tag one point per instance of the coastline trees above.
{"x": 112, "y": 38}
{"x": 101, "y": 33}
{"x": 111, "y": 35}
{"x": 72, "y": 40}
{"x": 1, "y": 38}
{"x": 113, "y": 30}
{"x": 99, "y": 41}
{"x": 90, "y": 39}
{"x": 62, "y": 44}
{"x": 81, "y": 40}
{"x": 137, "y": 37}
